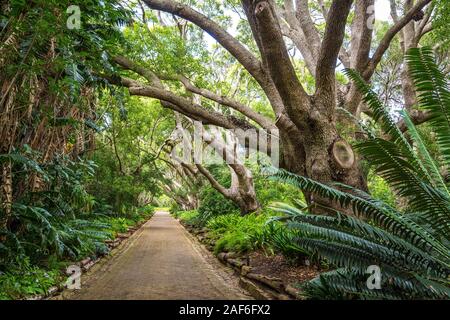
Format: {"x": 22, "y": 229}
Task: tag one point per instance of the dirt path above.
{"x": 160, "y": 261}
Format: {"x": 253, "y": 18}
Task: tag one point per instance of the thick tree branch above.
{"x": 307, "y": 24}
{"x": 263, "y": 121}
{"x": 144, "y": 72}
{"x": 344, "y": 56}
{"x": 361, "y": 40}
{"x": 244, "y": 56}
{"x": 293, "y": 30}
{"x": 361, "y": 34}
{"x": 180, "y": 104}
{"x": 156, "y": 80}
{"x": 420, "y": 31}
{"x": 190, "y": 108}
{"x": 277, "y": 58}
{"x": 389, "y": 36}
{"x": 214, "y": 183}
{"x": 242, "y": 190}
{"x": 156, "y": 90}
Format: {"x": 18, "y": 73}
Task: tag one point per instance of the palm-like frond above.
{"x": 430, "y": 164}
{"x": 371, "y": 209}
{"x": 407, "y": 167}
{"x": 422, "y": 196}
{"x": 348, "y": 283}
{"x": 380, "y": 244}
{"x": 353, "y": 245}
{"x": 433, "y": 94}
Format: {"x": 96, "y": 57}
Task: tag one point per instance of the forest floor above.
{"x": 160, "y": 261}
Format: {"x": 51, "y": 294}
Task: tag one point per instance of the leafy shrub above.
{"x": 379, "y": 189}
{"x": 224, "y": 223}
{"x": 239, "y": 233}
{"x": 146, "y": 212}
{"x": 268, "y": 191}
{"x": 213, "y": 203}
{"x": 174, "y": 208}
{"x": 188, "y": 217}
{"x": 282, "y": 240}
{"x": 120, "y": 225}
{"x": 57, "y": 220}
{"x": 138, "y": 215}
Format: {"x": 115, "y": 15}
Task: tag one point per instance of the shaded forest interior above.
{"x": 324, "y": 145}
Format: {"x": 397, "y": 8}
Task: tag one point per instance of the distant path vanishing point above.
{"x": 160, "y": 261}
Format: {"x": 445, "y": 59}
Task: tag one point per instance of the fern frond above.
{"x": 430, "y": 163}
{"x": 349, "y": 230}
{"x": 389, "y": 125}
{"x": 433, "y": 94}
{"x": 390, "y": 164}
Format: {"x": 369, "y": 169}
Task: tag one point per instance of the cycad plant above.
{"x": 57, "y": 220}
{"x": 410, "y": 246}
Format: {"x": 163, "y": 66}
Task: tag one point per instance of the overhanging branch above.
{"x": 389, "y": 36}
{"x": 232, "y": 45}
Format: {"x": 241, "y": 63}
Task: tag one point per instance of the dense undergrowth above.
{"x": 21, "y": 277}
{"x": 233, "y": 232}
{"x": 58, "y": 185}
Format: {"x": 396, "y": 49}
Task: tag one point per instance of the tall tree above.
{"x": 311, "y": 144}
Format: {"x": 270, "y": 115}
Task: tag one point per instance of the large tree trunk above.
{"x": 325, "y": 156}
